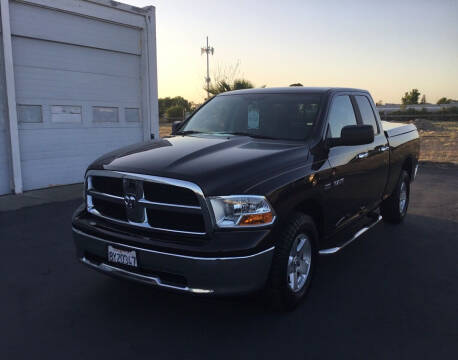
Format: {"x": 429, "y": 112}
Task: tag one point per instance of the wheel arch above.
{"x": 408, "y": 166}
{"x": 313, "y": 208}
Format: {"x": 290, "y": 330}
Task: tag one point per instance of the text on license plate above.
{"x": 122, "y": 256}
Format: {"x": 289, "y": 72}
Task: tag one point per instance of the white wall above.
{"x": 71, "y": 58}
{"x": 4, "y": 141}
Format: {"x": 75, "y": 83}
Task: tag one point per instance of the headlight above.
{"x": 242, "y": 210}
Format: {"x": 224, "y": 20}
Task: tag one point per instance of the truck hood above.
{"x": 219, "y": 165}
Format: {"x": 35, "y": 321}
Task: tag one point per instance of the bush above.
{"x": 443, "y": 100}
{"x": 444, "y": 114}
{"x": 410, "y": 111}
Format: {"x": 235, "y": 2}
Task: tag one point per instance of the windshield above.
{"x": 275, "y": 116}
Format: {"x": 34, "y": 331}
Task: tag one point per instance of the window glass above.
{"x": 29, "y": 114}
{"x": 279, "y": 116}
{"x": 132, "y": 115}
{"x": 341, "y": 114}
{"x": 66, "y": 114}
{"x": 105, "y": 114}
{"x": 367, "y": 114}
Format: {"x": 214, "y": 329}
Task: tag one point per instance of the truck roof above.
{"x": 289, "y": 89}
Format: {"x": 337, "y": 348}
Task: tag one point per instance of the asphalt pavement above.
{"x": 393, "y": 294}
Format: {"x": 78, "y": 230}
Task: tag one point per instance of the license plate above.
{"x": 122, "y": 256}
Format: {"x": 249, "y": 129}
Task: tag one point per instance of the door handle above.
{"x": 383, "y": 148}
{"x": 362, "y": 155}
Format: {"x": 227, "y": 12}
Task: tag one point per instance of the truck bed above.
{"x": 395, "y": 129}
{"x": 404, "y": 150}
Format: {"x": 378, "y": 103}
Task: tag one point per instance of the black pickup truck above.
{"x": 247, "y": 192}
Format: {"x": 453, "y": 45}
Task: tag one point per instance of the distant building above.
{"x": 429, "y": 107}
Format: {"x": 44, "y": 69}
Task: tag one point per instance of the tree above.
{"x": 411, "y": 98}
{"x": 443, "y": 100}
{"x": 240, "y": 84}
{"x": 379, "y": 103}
{"x": 296, "y": 84}
{"x": 228, "y": 78}
{"x": 176, "y": 111}
{"x": 221, "y": 86}
{"x": 423, "y": 99}
{"x": 168, "y": 102}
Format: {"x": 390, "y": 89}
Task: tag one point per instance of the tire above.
{"x": 299, "y": 230}
{"x": 394, "y": 208}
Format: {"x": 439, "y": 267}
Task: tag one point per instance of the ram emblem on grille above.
{"x": 130, "y": 201}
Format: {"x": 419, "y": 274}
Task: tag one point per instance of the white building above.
{"x": 78, "y": 78}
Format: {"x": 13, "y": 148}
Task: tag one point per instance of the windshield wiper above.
{"x": 256, "y": 136}
{"x": 189, "y": 132}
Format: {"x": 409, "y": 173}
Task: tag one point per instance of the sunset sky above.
{"x": 386, "y": 47}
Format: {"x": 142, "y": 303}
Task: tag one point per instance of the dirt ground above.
{"x": 164, "y": 130}
{"x": 439, "y": 140}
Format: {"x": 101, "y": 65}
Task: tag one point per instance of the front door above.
{"x": 344, "y": 192}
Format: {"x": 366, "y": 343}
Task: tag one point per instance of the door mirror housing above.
{"x": 353, "y": 135}
{"x": 357, "y": 134}
{"x": 176, "y": 126}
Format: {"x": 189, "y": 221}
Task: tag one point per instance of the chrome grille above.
{"x": 149, "y": 202}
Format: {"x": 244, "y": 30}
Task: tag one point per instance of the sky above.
{"x": 387, "y": 47}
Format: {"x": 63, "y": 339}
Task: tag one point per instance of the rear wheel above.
{"x": 394, "y": 208}
{"x": 293, "y": 263}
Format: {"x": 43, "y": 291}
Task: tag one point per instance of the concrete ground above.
{"x": 392, "y": 294}
{"x": 41, "y": 196}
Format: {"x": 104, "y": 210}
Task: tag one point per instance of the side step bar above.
{"x": 333, "y": 250}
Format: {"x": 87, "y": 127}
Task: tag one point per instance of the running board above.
{"x": 333, "y": 250}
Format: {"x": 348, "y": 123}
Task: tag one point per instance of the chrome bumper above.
{"x": 150, "y": 280}
{"x": 204, "y": 275}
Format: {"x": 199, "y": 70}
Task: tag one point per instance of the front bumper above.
{"x": 206, "y": 275}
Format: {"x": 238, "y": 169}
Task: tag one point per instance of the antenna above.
{"x": 207, "y": 50}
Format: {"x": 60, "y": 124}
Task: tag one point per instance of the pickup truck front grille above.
{"x": 149, "y": 202}
{"x": 109, "y": 208}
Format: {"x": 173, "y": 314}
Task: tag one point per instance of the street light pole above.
{"x": 208, "y": 50}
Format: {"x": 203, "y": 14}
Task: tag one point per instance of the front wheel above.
{"x": 293, "y": 262}
{"x": 394, "y": 208}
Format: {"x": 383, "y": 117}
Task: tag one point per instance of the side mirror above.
{"x": 353, "y": 135}
{"x": 176, "y": 126}
{"x": 357, "y": 135}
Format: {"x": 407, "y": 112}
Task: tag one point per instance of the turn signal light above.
{"x": 256, "y": 219}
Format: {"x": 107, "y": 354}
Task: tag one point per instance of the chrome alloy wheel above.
{"x": 403, "y": 198}
{"x": 299, "y": 261}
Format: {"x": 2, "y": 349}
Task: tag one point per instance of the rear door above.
{"x": 376, "y": 162}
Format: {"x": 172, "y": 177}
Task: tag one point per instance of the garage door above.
{"x": 78, "y": 91}
{"x": 4, "y": 155}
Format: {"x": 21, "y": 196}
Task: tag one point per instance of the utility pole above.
{"x": 208, "y": 50}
